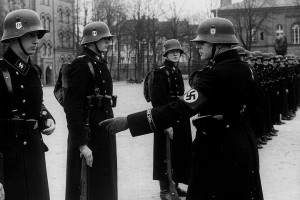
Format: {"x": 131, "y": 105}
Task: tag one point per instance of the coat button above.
{"x": 95, "y": 63}
{"x": 24, "y": 142}
{"x": 17, "y": 73}
{"x": 103, "y": 81}
{"x": 23, "y": 114}
{"x": 24, "y": 101}
{"x": 227, "y": 126}
{"x": 22, "y": 86}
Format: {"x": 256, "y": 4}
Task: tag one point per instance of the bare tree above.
{"x": 248, "y": 17}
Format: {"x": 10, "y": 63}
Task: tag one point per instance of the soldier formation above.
{"x": 278, "y": 88}
{"x": 239, "y": 98}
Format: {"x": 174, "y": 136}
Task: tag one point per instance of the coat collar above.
{"x": 88, "y": 52}
{"x": 16, "y": 62}
{"x": 226, "y": 55}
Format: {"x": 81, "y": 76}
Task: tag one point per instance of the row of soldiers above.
{"x": 278, "y": 88}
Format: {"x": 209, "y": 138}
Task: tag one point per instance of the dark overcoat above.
{"x": 225, "y": 161}
{"x": 167, "y": 87}
{"x": 102, "y": 183}
{"x": 25, "y": 175}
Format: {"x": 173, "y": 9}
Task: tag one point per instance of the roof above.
{"x": 270, "y": 3}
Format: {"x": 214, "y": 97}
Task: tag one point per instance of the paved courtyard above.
{"x": 279, "y": 159}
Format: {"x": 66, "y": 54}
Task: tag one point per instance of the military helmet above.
{"x": 172, "y": 44}
{"x": 265, "y": 56}
{"x": 95, "y": 31}
{"x": 258, "y": 54}
{"x": 240, "y": 50}
{"x": 272, "y": 55}
{"x": 248, "y": 54}
{"x": 289, "y": 57}
{"x": 216, "y": 30}
{"x": 19, "y": 22}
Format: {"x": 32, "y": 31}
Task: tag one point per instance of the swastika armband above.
{"x": 150, "y": 120}
{"x": 193, "y": 99}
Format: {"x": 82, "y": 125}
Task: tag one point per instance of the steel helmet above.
{"x": 265, "y": 56}
{"x": 216, "y": 30}
{"x": 94, "y": 32}
{"x": 19, "y": 22}
{"x": 240, "y": 50}
{"x": 248, "y": 54}
{"x": 172, "y": 44}
{"x": 258, "y": 54}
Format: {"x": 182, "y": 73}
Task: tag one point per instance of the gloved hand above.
{"x": 115, "y": 125}
{"x": 169, "y": 131}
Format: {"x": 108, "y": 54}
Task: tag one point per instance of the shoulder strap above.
{"x": 97, "y": 90}
{"x": 7, "y": 80}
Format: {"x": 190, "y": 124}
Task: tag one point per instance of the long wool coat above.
{"x": 225, "y": 162}
{"x": 167, "y": 82}
{"x": 102, "y": 178}
{"x": 25, "y": 174}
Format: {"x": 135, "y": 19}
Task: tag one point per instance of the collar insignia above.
{"x": 21, "y": 67}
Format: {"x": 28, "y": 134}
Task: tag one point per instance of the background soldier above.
{"x": 22, "y": 114}
{"x": 89, "y": 100}
{"x": 167, "y": 87}
{"x": 225, "y": 160}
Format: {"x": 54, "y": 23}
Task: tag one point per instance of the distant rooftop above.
{"x": 272, "y": 3}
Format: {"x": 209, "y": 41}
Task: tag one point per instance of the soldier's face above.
{"x": 30, "y": 42}
{"x": 205, "y": 50}
{"x": 173, "y": 55}
{"x": 103, "y": 44}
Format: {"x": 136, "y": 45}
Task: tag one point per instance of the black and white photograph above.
{"x": 149, "y": 99}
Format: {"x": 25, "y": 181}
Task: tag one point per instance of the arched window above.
{"x": 68, "y": 40}
{"x": 296, "y": 34}
{"x": 279, "y": 30}
{"x": 49, "y": 49}
{"x": 61, "y": 39}
{"x": 44, "y": 50}
{"x": 60, "y": 14}
{"x": 68, "y": 16}
{"x": 43, "y": 21}
{"x": 48, "y": 23}
{"x": 62, "y": 59}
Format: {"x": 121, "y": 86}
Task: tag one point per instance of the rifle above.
{"x": 172, "y": 187}
{"x": 83, "y": 180}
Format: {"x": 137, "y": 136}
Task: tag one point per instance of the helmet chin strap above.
{"x": 213, "y": 51}
{"x": 96, "y": 47}
{"x": 22, "y": 47}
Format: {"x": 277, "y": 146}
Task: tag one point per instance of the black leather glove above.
{"x": 115, "y": 125}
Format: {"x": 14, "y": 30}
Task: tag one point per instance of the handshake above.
{"x": 115, "y": 125}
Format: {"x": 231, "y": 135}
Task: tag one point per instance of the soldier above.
{"x": 241, "y": 52}
{"x": 225, "y": 157}
{"x": 167, "y": 87}
{"x": 23, "y": 117}
{"x": 88, "y": 100}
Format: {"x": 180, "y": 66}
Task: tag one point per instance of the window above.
{"x": 68, "y": 16}
{"x": 68, "y": 40}
{"x": 48, "y": 23}
{"x": 279, "y": 30}
{"x": 49, "y": 48}
{"x": 44, "y": 49}
{"x": 261, "y": 35}
{"x": 60, "y": 38}
{"x": 254, "y": 35}
{"x": 296, "y": 34}
{"x": 43, "y": 21}
{"x": 60, "y": 15}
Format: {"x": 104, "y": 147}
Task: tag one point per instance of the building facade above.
{"x": 57, "y": 46}
{"x": 283, "y": 19}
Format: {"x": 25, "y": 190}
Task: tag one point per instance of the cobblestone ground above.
{"x": 279, "y": 159}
